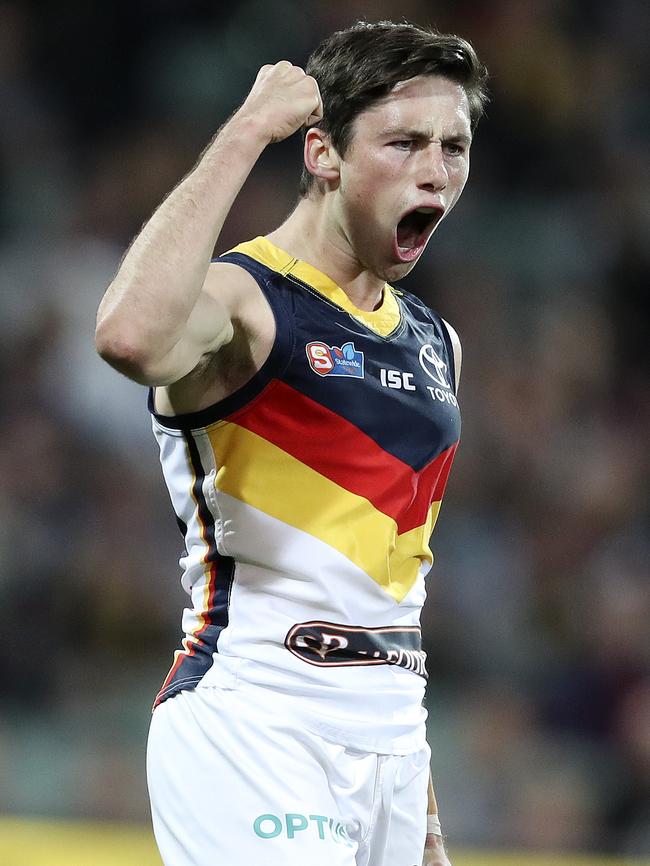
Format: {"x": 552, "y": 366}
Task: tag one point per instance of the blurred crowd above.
{"x": 537, "y": 619}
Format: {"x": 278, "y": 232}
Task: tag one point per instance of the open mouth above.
{"x": 414, "y": 230}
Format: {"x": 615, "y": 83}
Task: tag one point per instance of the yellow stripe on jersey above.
{"x": 265, "y": 477}
{"x": 382, "y": 321}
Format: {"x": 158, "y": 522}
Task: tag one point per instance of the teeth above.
{"x": 426, "y": 210}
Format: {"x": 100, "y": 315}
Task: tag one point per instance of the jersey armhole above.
{"x": 454, "y": 351}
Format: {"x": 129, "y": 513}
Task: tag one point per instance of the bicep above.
{"x": 209, "y": 326}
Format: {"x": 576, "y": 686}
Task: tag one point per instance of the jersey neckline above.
{"x": 382, "y": 321}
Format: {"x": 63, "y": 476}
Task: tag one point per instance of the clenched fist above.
{"x": 282, "y": 99}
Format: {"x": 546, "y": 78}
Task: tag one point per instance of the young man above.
{"x": 307, "y": 418}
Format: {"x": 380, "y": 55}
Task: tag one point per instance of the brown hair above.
{"x": 357, "y": 67}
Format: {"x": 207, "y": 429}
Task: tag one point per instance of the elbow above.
{"x": 123, "y": 354}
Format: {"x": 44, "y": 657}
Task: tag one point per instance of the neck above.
{"x": 310, "y": 234}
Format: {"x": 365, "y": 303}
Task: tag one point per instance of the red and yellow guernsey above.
{"x": 307, "y": 499}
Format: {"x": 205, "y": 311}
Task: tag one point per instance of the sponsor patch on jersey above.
{"x": 334, "y": 361}
{"x": 433, "y": 365}
{"x": 329, "y": 644}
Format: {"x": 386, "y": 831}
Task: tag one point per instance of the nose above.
{"x": 434, "y": 172}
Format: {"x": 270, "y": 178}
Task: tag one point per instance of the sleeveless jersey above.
{"x": 307, "y": 499}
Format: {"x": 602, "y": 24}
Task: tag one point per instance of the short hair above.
{"x": 357, "y": 67}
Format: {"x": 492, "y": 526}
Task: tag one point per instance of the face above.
{"x": 403, "y": 171}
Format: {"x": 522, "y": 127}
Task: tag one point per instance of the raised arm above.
{"x": 159, "y": 317}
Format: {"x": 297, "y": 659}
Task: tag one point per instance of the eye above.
{"x": 403, "y": 144}
{"x": 453, "y": 148}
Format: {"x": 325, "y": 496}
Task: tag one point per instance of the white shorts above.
{"x": 232, "y": 783}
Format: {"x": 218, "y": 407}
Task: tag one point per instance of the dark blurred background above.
{"x": 537, "y": 618}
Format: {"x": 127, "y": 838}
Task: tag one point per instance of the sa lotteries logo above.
{"x": 334, "y": 361}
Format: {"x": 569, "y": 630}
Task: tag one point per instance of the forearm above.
{"x": 432, "y": 809}
{"x": 434, "y": 852}
{"x": 147, "y": 305}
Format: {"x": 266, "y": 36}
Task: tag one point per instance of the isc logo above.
{"x": 396, "y": 379}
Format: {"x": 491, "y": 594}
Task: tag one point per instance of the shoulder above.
{"x": 239, "y": 290}
{"x": 233, "y": 286}
{"x": 411, "y": 302}
{"x": 220, "y": 374}
{"x": 457, "y": 349}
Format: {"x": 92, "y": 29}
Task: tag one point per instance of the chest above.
{"x": 397, "y": 389}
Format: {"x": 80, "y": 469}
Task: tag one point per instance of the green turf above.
{"x": 26, "y": 842}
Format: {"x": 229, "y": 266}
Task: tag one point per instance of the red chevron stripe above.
{"x": 346, "y": 455}
{"x": 170, "y": 676}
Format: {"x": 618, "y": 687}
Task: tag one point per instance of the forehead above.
{"x": 430, "y": 103}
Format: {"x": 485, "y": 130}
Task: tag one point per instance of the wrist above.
{"x": 251, "y": 128}
{"x": 434, "y": 840}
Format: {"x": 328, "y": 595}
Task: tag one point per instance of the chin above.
{"x": 387, "y": 269}
{"x": 397, "y": 271}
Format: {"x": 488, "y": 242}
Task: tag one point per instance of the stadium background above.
{"x": 537, "y": 620}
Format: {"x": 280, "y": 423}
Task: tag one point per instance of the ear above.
{"x": 321, "y": 158}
